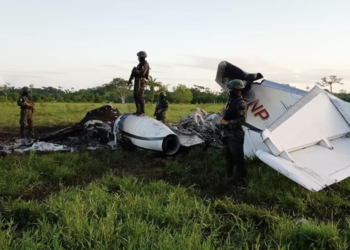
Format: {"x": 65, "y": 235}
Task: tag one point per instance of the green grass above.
{"x": 120, "y": 199}
{"x": 116, "y": 213}
{"x": 66, "y": 114}
{"x": 61, "y": 200}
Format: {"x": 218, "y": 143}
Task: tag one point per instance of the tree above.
{"x": 307, "y": 88}
{"x": 182, "y": 94}
{"x": 203, "y": 94}
{"x": 120, "y": 87}
{"x": 31, "y": 86}
{"x": 342, "y": 91}
{"x": 13, "y": 96}
{"x": 6, "y": 89}
{"x": 152, "y": 83}
{"x": 333, "y": 79}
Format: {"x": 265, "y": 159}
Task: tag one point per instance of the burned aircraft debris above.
{"x": 105, "y": 127}
{"x": 282, "y": 130}
{"x": 198, "y": 128}
{"x": 93, "y": 131}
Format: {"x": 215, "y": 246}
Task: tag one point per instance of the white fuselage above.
{"x": 145, "y": 133}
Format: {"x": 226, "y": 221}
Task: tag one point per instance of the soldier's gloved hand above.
{"x": 223, "y": 122}
{"x": 222, "y": 111}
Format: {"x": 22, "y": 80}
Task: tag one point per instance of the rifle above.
{"x": 158, "y": 106}
{"x": 27, "y": 101}
{"x": 131, "y": 76}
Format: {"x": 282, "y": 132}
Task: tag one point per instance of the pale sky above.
{"x": 84, "y": 44}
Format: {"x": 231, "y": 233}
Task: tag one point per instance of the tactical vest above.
{"x": 231, "y": 112}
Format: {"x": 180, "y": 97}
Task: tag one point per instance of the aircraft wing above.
{"x": 310, "y": 142}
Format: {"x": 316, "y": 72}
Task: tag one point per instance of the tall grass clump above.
{"x": 19, "y": 174}
{"x": 126, "y": 213}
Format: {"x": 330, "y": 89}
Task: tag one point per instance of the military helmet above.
{"x": 236, "y": 84}
{"x": 25, "y": 89}
{"x": 142, "y": 54}
{"x": 162, "y": 93}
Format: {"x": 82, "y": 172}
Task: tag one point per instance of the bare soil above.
{"x": 9, "y": 134}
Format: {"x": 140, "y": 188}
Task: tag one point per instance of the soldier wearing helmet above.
{"x": 233, "y": 135}
{"x": 27, "y": 108}
{"x": 161, "y": 107}
{"x": 140, "y": 73}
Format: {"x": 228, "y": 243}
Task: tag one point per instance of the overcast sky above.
{"x": 84, "y": 44}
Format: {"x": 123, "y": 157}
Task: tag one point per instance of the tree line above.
{"x": 116, "y": 91}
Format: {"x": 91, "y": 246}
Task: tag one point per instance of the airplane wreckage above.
{"x": 302, "y": 135}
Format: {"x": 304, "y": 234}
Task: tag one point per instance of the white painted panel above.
{"x": 189, "y": 140}
{"x": 314, "y": 167}
{"x": 145, "y": 127}
{"x": 309, "y": 124}
{"x": 150, "y": 145}
{"x": 342, "y": 174}
{"x": 269, "y": 100}
{"x": 342, "y": 106}
{"x": 289, "y": 170}
{"x": 143, "y": 132}
{"x": 325, "y": 161}
{"x": 252, "y": 142}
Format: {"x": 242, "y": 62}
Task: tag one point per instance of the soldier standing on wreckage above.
{"x": 141, "y": 74}
{"x": 161, "y": 108}
{"x": 27, "y": 108}
{"x": 233, "y": 134}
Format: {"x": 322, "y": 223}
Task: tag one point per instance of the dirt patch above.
{"x": 152, "y": 171}
{"x": 42, "y": 192}
{"x": 9, "y": 134}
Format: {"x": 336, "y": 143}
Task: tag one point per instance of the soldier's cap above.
{"x": 162, "y": 93}
{"x": 142, "y": 54}
{"x": 25, "y": 89}
{"x": 236, "y": 84}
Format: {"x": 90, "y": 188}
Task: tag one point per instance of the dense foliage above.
{"x": 118, "y": 91}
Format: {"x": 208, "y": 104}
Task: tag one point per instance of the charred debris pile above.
{"x": 106, "y": 127}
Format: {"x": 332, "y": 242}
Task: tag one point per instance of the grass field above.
{"x": 64, "y": 114}
{"x": 121, "y": 199}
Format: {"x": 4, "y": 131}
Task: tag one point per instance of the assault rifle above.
{"x": 28, "y": 102}
{"x": 132, "y": 75}
{"x": 158, "y": 107}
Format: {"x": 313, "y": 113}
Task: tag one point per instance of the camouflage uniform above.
{"x": 233, "y": 135}
{"x": 141, "y": 74}
{"x": 26, "y": 115}
{"x": 163, "y": 105}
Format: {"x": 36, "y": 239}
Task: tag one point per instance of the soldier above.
{"x": 27, "y": 108}
{"x": 233, "y": 134}
{"x": 141, "y": 74}
{"x": 162, "y": 107}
